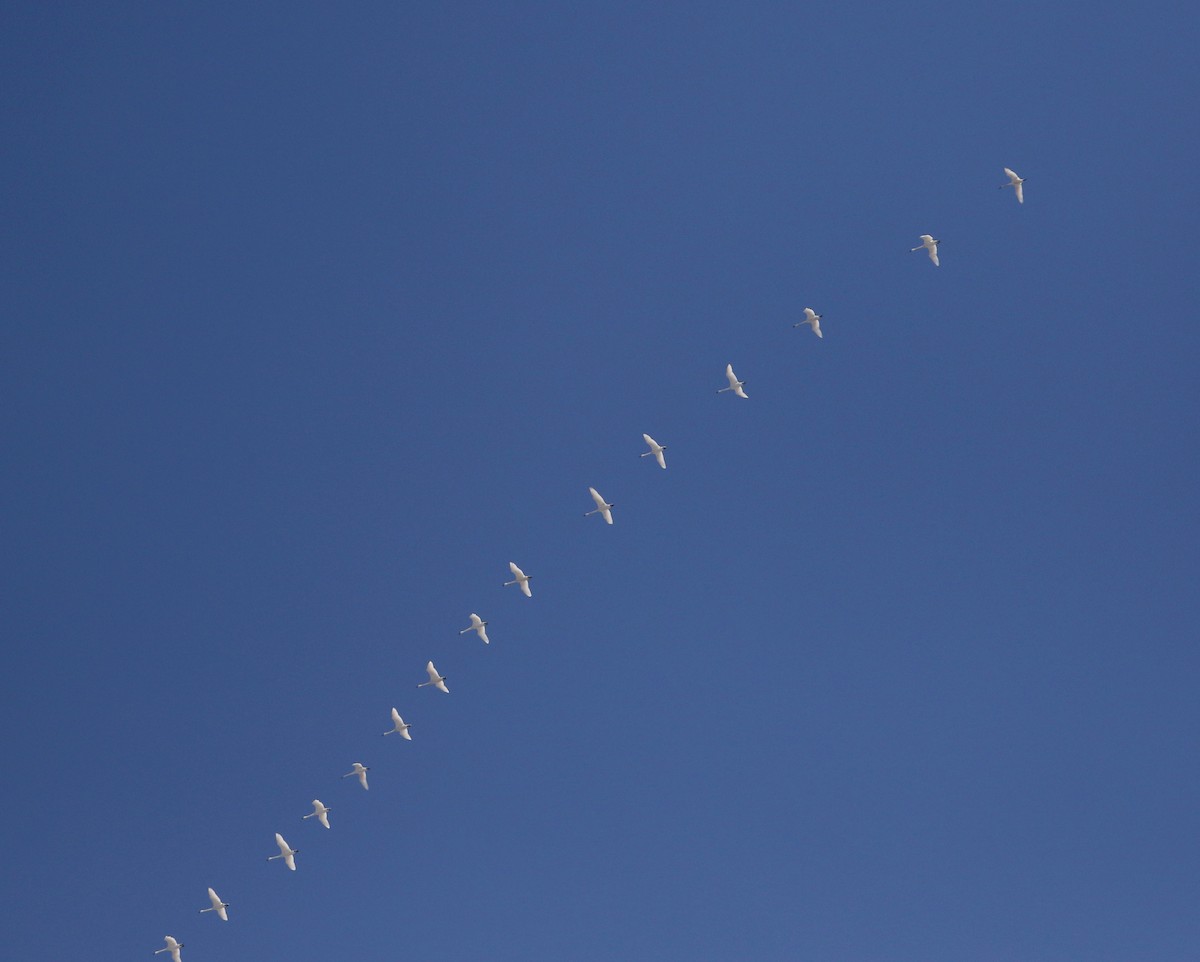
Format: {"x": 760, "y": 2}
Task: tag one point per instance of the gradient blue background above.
{"x": 316, "y": 315}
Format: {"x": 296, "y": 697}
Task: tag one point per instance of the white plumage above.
{"x": 656, "y": 449}
{"x": 603, "y": 508}
{"x": 519, "y": 578}
{"x": 438, "y": 681}
{"x": 734, "y": 384}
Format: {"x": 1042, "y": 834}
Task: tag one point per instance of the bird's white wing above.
{"x": 396, "y": 719}
{"x": 1020, "y": 193}
{"x": 660, "y": 458}
{"x": 222, "y": 914}
{"x": 290, "y": 861}
{"x": 1012, "y": 175}
{"x": 362, "y": 779}
{"x": 739, "y": 392}
{"x": 650, "y": 441}
{"x": 816, "y": 326}
{"x": 933, "y": 256}
{"x": 482, "y": 632}
{"x": 212, "y": 897}
{"x": 175, "y": 953}
{"x": 517, "y": 572}
{"x": 441, "y": 686}
{"x": 730, "y": 375}
{"x": 476, "y": 621}
{"x": 596, "y": 497}
{"x": 431, "y": 672}
{"x": 526, "y": 589}
{"x": 323, "y": 819}
{"x": 280, "y": 842}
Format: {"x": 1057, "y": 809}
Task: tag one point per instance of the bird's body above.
{"x": 812, "y": 319}
{"x": 320, "y": 811}
{"x": 929, "y": 243}
{"x": 217, "y": 906}
{"x": 479, "y": 626}
{"x": 172, "y": 946}
{"x": 519, "y": 578}
{"x": 360, "y": 770}
{"x": 734, "y": 384}
{"x": 1016, "y": 182}
{"x": 438, "y": 681}
{"x": 603, "y": 508}
{"x": 399, "y": 727}
{"x": 656, "y": 449}
{"x": 286, "y": 852}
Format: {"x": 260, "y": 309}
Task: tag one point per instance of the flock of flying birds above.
{"x": 603, "y": 508}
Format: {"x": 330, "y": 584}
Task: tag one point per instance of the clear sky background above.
{"x": 317, "y": 315}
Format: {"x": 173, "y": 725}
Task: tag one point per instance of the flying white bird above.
{"x": 734, "y": 384}
{"x": 603, "y": 508}
{"x": 656, "y": 449}
{"x": 321, "y": 812}
{"x": 479, "y": 626}
{"x": 217, "y": 906}
{"x": 399, "y": 727}
{"x": 930, "y": 245}
{"x": 172, "y": 946}
{"x": 438, "y": 681}
{"x": 287, "y": 854}
{"x": 521, "y": 579}
{"x": 361, "y": 771}
{"x": 1014, "y": 181}
{"x": 812, "y": 319}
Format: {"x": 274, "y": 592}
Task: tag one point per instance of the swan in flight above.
{"x": 603, "y": 508}
{"x": 656, "y": 449}
{"x": 734, "y": 384}
{"x": 217, "y": 906}
{"x": 438, "y": 681}
{"x": 930, "y": 245}
{"x": 399, "y": 726}
{"x": 812, "y": 319}
{"x": 521, "y": 579}
{"x": 479, "y": 626}
{"x": 286, "y": 853}
{"x": 172, "y": 946}
{"x": 1014, "y": 181}
{"x": 320, "y": 811}
{"x": 360, "y": 770}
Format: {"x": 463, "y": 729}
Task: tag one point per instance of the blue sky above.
{"x": 316, "y": 317}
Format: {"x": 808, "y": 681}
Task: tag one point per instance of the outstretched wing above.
{"x": 431, "y": 672}
{"x": 526, "y": 589}
{"x": 730, "y": 375}
{"x": 517, "y": 572}
{"x": 1020, "y": 193}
